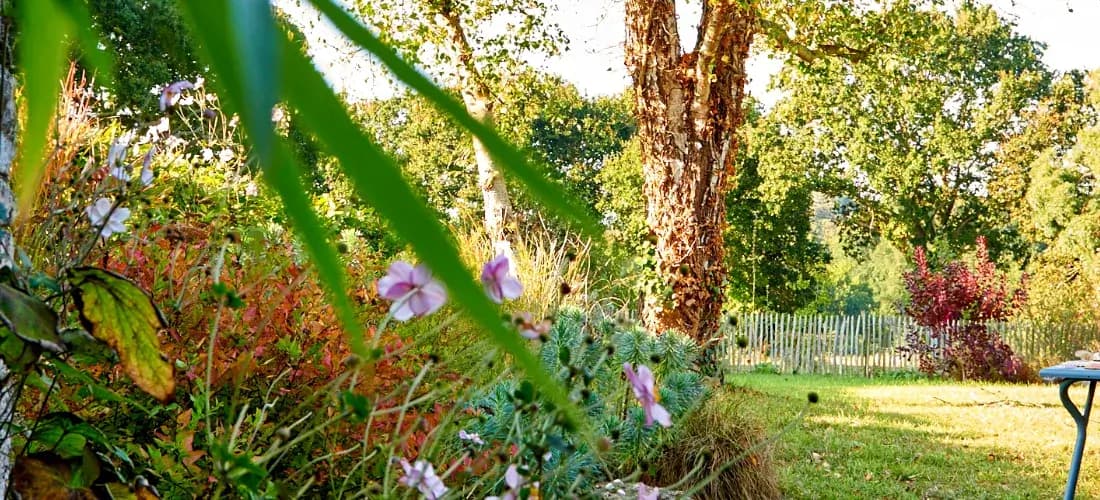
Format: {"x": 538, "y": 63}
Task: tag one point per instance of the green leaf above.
{"x": 85, "y": 348}
{"x": 118, "y": 312}
{"x": 29, "y": 318}
{"x": 45, "y": 476}
{"x": 208, "y": 20}
{"x": 383, "y": 186}
{"x": 43, "y": 28}
{"x": 240, "y": 468}
{"x": 358, "y": 403}
{"x": 509, "y": 158}
{"x": 42, "y": 280}
{"x": 65, "y": 434}
{"x": 98, "y": 59}
{"x": 89, "y": 471}
{"x": 17, "y": 355}
{"x": 253, "y": 33}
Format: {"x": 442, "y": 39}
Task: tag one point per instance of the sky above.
{"x": 593, "y": 61}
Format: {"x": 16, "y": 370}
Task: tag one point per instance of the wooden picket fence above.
{"x": 868, "y": 344}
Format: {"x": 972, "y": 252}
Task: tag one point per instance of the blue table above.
{"x": 1069, "y": 374}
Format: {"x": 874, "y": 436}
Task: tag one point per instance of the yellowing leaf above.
{"x": 123, "y": 315}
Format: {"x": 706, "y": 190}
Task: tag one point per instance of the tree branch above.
{"x": 807, "y": 53}
{"x": 472, "y": 80}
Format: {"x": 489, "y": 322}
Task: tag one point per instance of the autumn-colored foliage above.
{"x": 954, "y": 304}
{"x": 274, "y": 326}
{"x": 273, "y": 317}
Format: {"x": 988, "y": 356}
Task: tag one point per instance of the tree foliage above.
{"x": 909, "y": 132}
{"x": 569, "y": 136}
{"x": 472, "y": 45}
{"x": 772, "y": 255}
{"x": 1061, "y": 217}
{"x": 151, "y": 46}
{"x": 1025, "y": 171}
{"x": 499, "y": 33}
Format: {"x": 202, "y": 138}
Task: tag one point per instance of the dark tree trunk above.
{"x": 688, "y": 110}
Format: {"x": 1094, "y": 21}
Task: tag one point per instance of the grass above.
{"x": 892, "y": 438}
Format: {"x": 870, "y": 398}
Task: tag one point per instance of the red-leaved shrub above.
{"x": 955, "y": 304}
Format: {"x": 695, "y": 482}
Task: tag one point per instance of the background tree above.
{"x": 471, "y": 45}
{"x": 773, "y": 257}
{"x": 1049, "y": 129}
{"x": 1060, "y": 215}
{"x": 9, "y": 127}
{"x": 572, "y": 135}
{"x": 911, "y": 131}
{"x": 151, "y": 46}
{"x": 568, "y": 134}
{"x": 689, "y": 109}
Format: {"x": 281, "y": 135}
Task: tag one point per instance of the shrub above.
{"x": 588, "y": 359}
{"x": 954, "y": 305}
{"x": 719, "y": 437}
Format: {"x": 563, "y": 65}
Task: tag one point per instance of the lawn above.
{"x": 895, "y": 438}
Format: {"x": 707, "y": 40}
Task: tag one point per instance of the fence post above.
{"x": 860, "y": 345}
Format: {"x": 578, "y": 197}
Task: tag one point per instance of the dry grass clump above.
{"x": 715, "y": 437}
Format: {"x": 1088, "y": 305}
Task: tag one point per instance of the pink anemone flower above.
{"x": 499, "y": 284}
{"x": 171, "y": 93}
{"x": 421, "y": 476}
{"x": 642, "y": 383}
{"x": 412, "y": 289}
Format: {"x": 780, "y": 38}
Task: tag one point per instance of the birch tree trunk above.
{"x": 688, "y": 106}
{"x": 9, "y": 382}
{"x": 478, "y": 100}
{"x": 494, "y": 193}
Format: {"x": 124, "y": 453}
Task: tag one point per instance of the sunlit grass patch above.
{"x": 874, "y": 438}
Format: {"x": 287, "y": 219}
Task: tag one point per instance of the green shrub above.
{"x": 588, "y": 359}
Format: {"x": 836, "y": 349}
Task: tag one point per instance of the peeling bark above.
{"x": 688, "y": 106}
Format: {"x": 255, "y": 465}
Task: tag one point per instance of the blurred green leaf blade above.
{"x": 209, "y": 20}
{"x": 378, "y": 179}
{"x": 44, "y": 29}
{"x": 252, "y": 29}
{"x": 100, "y": 60}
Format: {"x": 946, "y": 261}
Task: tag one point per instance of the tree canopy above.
{"x": 909, "y": 132}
